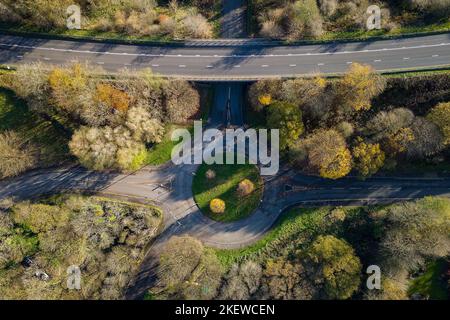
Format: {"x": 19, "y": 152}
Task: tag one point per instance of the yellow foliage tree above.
{"x": 326, "y": 153}
{"x": 368, "y": 158}
{"x": 265, "y": 99}
{"x": 440, "y": 115}
{"x": 217, "y": 205}
{"x": 112, "y": 97}
{"x": 245, "y": 187}
{"x": 67, "y": 84}
{"x": 359, "y": 86}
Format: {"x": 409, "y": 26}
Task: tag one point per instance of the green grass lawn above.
{"x": 50, "y": 139}
{"x": 430, "y": 284}
{"x": 161, "y": 152}
{"x": 224, "y": 186}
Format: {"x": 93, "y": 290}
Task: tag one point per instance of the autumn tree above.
{"x": 112, "y": 97}
{"x": 286, "y": 280}
{"x": 262, "y": 93}
{"x": 387, "y": 123}
{"x": 325, "y": 153}
{"x": 428, "y": 139}
{"x": 414, "y": 232}
{"x": 440, "y": 115}
{"x": 67, "y": 86}
{"x": 334, "y": 266}
{"x": 182, "y": 101}
{"x": 368, "y": 158}
{"x": 187, "y": 270}
{"x": 288, "y": 119}
{"x": 357, "y": 88}
{"x": 143, "y": 127}
{"x": 107, "y": 148}
{"x": 242, "y": 281}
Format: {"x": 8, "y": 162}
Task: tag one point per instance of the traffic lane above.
{"x": 235, "y": 66}
{"x": 387, "y": 195}
{"x": 99, "y": 48}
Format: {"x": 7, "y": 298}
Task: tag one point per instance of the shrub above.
{"x": 196, "y": 26}
{"x": 217, "y": 206}
{"x": 245, "y": 187}
{"x": 210, "y": 174}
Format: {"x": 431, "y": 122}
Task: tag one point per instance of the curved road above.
{"x": 234, "y": 60}
{"x": 170, "y": 188}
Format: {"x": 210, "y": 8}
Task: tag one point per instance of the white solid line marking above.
{"x": 46, "y": 59}
{"x": 209, "y": 66}
{"x": 349, "y": 62}
{"x": 435, "y": 56}
{"x": 321, "y": 64}
{"x": 406, "y": 58}
{"x": 264, "y": 66}
{"x": 182, "y": 66}
{"x": 20, "y": 57}
{"x": 292, "y": 65}
{"x": 377, "y": 60}
{"x": 155, "y": 65}
{"x": 238, "y": 66}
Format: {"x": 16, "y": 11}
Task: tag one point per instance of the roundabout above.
{"x": 236, "y": 188}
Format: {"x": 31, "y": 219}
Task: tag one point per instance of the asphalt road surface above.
{"x": 227, "y": 108}
{"x": 233, "y": 19}
{"x": 240, "y": 61}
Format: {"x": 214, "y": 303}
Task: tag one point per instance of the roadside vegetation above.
{"x": 363, "y": 122}
{"x": 322, "y": 253}
{"x": 129, "y": 19}
{"x": 39, "y": 241}
{"x": 28, "y": 140}
{"x": 227, "y": 192}
{"x": 111, "y": 123}
{"x": 333, "y": 19}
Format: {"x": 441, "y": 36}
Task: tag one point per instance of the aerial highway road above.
{"x": 234, "y": 60}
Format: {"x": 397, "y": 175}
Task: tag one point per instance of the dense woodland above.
{"x": 299, "y": 19}
{"x": 151, "y": 18}
{"x": 318, "y": 254}
{"x": 106, "y": 239}
{"x": 112, "y": 121}
{"x": 362, "y": 122}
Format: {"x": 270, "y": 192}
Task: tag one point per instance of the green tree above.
{"x": 288, "y": 119}
{"x": 414, "y": 232}
{"x": 440, "y": 115}
{"x": 334, "y": 265}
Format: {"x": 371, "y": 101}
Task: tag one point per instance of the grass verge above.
{"x": 161, "y": 152}
{"x": 431, "y": 284}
